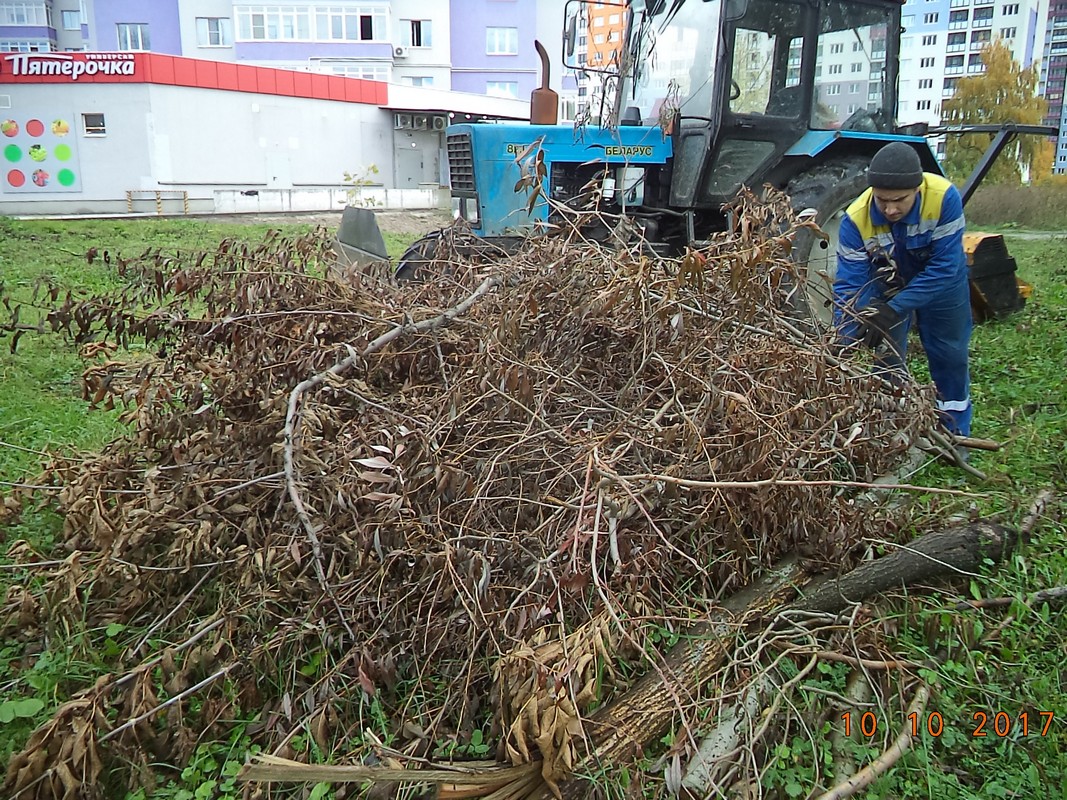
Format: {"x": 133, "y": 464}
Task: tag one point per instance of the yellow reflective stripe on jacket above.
{"x": 932, "y": 193}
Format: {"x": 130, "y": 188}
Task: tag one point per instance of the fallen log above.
{"x": 955, "y": 551}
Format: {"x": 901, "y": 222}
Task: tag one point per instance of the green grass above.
{"x": 1018, "y": 388}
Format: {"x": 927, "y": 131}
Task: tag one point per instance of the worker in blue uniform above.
{"x": 900, "y": 256}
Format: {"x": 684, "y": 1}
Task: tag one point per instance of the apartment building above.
{"x": 1054, "y": 77}
{"x": 942, "y": 42}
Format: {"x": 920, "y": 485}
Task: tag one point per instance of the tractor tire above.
{"x": 420, "y": 255}
{"x": 828, "y": 189}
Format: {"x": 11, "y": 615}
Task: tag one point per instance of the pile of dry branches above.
{"x": 500, "y": 482}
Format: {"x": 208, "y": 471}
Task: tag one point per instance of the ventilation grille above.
{"x": 461, "y": 162}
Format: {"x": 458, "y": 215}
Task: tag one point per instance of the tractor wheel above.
{"x": 420, "y": 255}
{"x": 434, "y": 253}
{"x": 828, "y": 189}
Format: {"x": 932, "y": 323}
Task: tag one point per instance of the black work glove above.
{"x": 876, "y": 321}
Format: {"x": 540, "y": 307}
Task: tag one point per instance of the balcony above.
{"x": 959, "y": 3}
{"x": 956, "y": 48}
{"x": 974, "y": 69}
{"x": 959, "y": 26}
{"x": 982, "y": 23}
{"x": 976, "y": 46}
{"x": 953, "y": 70}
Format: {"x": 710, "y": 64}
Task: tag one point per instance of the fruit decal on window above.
{"x": 39, "y": 152}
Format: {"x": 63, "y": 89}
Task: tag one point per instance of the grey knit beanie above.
{"x": 895, "y": 166}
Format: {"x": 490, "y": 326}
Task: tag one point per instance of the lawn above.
{"x": 980, "y": 662}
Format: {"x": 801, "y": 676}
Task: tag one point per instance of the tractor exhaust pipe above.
{"x": 544, "y": 103}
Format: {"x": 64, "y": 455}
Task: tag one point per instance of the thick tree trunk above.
{"x": 932, "y": 556}
{"x": 619, "y": 732}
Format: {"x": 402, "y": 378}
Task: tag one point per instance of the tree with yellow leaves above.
{"x": 1004, "y": 93}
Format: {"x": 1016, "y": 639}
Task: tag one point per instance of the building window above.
{"x": 26, "y": 12}
{"x": 1007, "y": 33}
{"x": 417, "y": 80}
{"x": 924, "y": 63}
{"x": 93, "y": 125}
{"x": 930, "y": 19}
{"x": 353, "y": 69}
{"x": 853, "y": 88}
{"x": 923, "y": 105}
{"x": 926, "y": 83}
{"x": 833, "y": 89}
{"x": 415, "y": 33}
{"x": 1008, "y": 10}
{"x": 837, "y": 48}
{"x": 834, "y": 69}
{"x": 857, "y": 67}
{"x": 72, "y": 20}
{"x": 501, "y": 41}
{"x": 25, "y": 46}
{"x": 296, "y": 23}
{"x": 133, "y": 36}
{"x": 502, "y": 89}
{"x": 929, "y": 40}
{"x": 214, "y": 32}
{"x": 276, "y": 23}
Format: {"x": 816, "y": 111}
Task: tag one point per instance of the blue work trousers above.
{"x": 945, "y": 330}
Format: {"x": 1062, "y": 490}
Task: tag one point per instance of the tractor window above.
{"x": 766, "y": 60}
{"x": 674, "y": 53}
{"x": 850, "y": 67}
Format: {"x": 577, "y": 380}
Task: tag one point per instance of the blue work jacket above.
{"x": 926, "y": 243}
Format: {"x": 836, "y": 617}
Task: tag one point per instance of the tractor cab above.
{"x": 741, "y": 82}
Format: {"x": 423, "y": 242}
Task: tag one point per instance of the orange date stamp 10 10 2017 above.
{"x": 983, "y": 723}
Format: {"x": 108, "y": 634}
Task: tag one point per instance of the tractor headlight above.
{"x": 466, "y": 208}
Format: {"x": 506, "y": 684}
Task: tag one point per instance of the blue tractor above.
{"x": 697, "y": 98}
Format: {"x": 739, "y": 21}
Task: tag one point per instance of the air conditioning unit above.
{"x": 440, "y": 123}
{"x": 404, "y": 122}
{"x": 421, "y": 122}
{"x": 399, "y": 51}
